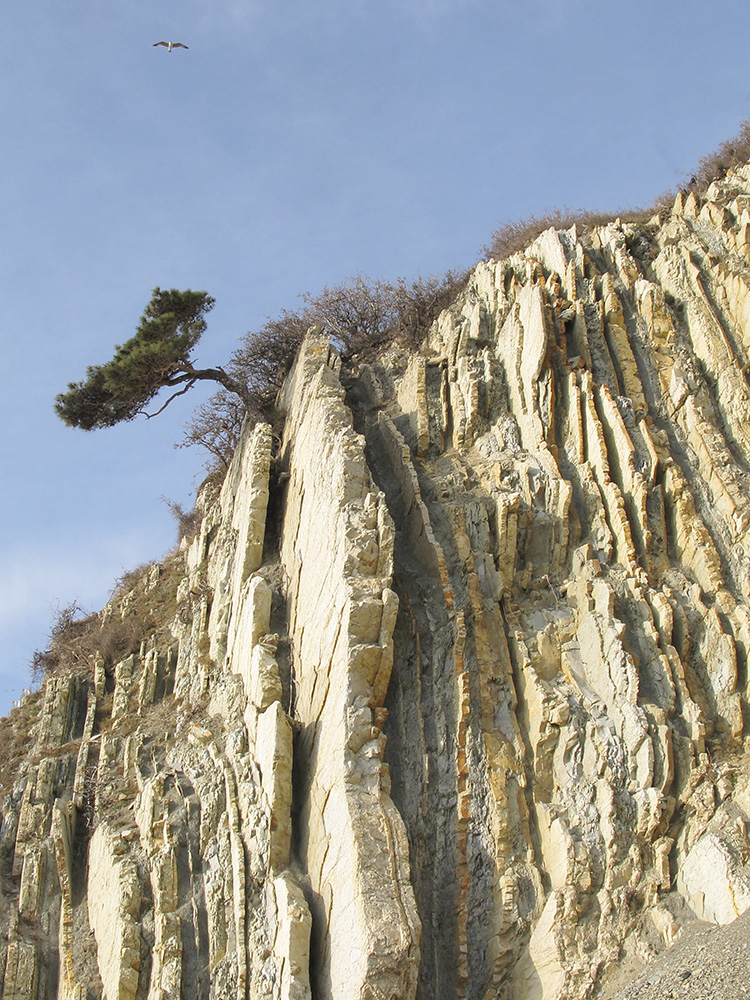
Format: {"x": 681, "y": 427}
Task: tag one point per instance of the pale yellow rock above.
{"x": 539, "y": 974}
{"x": 368, "y": 921}
{"x": 21, "y": 976}
{"x": 413, "y": 402}
{"x": 274, "y": 754}
{"x": 32, "y": 877}
{"x": 714, "y": 880}
{"x": 114, "y": 902}
{"x": 123, "y": 687}
{"x": 291, "y": 945}
{"x": 504, "y": 710}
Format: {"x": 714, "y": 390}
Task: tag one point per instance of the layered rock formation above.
{"x": 447, "y": 696}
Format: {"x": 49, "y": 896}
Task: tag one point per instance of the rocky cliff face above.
{"x": 447, "y": 697}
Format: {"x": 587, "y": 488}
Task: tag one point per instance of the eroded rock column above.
{"x": 337, "y": 553}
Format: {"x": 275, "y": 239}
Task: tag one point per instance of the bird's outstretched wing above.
{"x": 179, "y": 45}
{"x": 165, "y": 44}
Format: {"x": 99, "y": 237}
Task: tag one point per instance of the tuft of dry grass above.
{"x": 188, "y": 521}
{"x": 516, "y": 235}
{"x": 513, "y": 237}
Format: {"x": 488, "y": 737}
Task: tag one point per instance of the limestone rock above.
{"x": 114, "y": 903}
{"x": 466, "y": 717}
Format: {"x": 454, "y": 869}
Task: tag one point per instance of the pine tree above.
{"x": 157, "y": 357}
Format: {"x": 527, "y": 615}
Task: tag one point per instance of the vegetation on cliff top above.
{"x": 362, "y": 316}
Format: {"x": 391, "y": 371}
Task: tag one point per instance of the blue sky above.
{"x": 292, "y": 146}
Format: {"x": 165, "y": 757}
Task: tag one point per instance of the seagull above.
{"x": 171, "y": 45}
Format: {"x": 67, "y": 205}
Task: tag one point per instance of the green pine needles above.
{"x": 157, "y": 357}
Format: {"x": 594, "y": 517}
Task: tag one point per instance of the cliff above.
{"x": 446, "y": 698}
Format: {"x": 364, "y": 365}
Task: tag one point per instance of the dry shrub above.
{"x": 65, "y": 649}
{"x": 262, "y": 362}
{"x": 362, "y": 317}
{"x": 75, "y": 637}
{"x": 732, "y": 153}
{"x": 215, "y": 426}
{"x": 119, "y": 637}
{"x": 129, "y": 580}
{"x": 74, "y": 643}
{"x": 514, "y": 236}
{"x": 265, "y": 356}
{"x": 188, "y": 521}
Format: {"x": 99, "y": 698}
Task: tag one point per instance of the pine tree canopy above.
{"x": 158, "y": 356}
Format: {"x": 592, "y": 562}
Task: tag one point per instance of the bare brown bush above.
{"x": 515, "y": 235}
{"x": 129, "y": 580}
{"x": 135, "y": 611}
{"x": 215, "y": 426}
{"x": 261, "y": 362}
{"x": 69, "y": 625}
{"x": 119, "y": 637}
{"x": 732, "y": 153}
{"x": 511, "y": 237}
{"x": 74, "y": 642}
{"x": 421, "y": 302}
{"x": 265, "y": 356}
{"x": 362, "y": 317}
{"x": 187, "y": 520}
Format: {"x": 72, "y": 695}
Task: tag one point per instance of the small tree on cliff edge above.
{"x": 157, "y": 357}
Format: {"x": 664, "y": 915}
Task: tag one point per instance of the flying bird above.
{"x": 171, "y": 45}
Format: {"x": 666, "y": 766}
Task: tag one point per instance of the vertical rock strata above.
{"x": 146, "y": 843}
{"x": 337, "y": 553}
{"x": 447, "y": 695}
{"x": 147, "y": 846}
{"x": 567, "y": 467}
